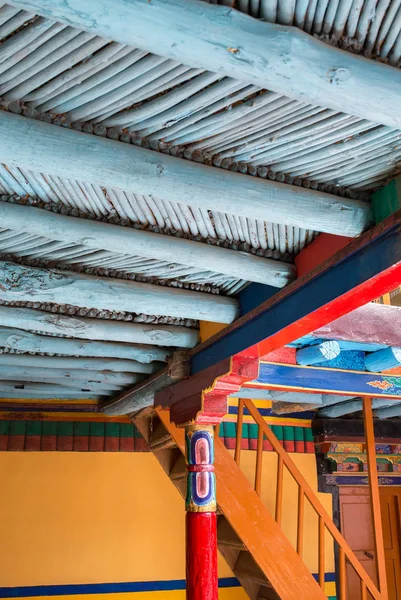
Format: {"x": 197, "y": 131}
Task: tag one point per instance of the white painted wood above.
{"x": 97, "y": 329}
{"x": 60, "y": 151}
{"x": 391, "y": 411}
{"x": 383, "y": 359}
{"x": 329, "y": 399}
{"x": 45, "y": 391}
{"x": 312, "y": 355}
{"x": 296, "y": 397}
{"x": 88, "y": 386}
{"x": 24, "y": 341}
{"x": 72, "y": 377}
{"x": 31, "y": 284}
{"x": 113, "y": 365}
{"x": 221, "y": 39}
{"x": 134, "y": 242}
{"x": 351, "y": 406}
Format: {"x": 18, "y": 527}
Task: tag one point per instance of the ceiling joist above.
{"x": 23, "y": 341}
{"x": 97, "y": 329}
{"x": 221, "y": 39}
{"x": 135, "y": 242}
{"x": 45, "y": 148}
{"x": 30, "y": 284}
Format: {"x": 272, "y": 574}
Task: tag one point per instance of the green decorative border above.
{"x": 87, "y": 436}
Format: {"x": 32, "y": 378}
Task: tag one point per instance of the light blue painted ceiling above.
{"x": 58, "y": 74}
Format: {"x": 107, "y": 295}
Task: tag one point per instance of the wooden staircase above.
{"x": 249, "y": 536}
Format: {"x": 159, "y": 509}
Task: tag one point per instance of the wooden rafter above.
{"x": 135, "y": 242}
{"x": 221, "y": 39}
{"x": 60, "y": 151}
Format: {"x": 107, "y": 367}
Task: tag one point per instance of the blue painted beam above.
{"x": 312, "y": 355}
{"x": 363, "y": 271}
{"x": 332, "y": 381}
{"x": 218, "y": 38}
{"x": 383, "y": 360}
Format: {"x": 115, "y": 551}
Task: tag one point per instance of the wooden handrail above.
{"x": 325, "y": 522}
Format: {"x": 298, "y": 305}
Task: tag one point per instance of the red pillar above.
{"x": 201, "y": 524}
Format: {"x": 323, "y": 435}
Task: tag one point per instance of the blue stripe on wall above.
{"x": 110, "y": 588}
{"x": 104, "y": 588}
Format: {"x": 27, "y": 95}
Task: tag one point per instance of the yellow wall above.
{"x": 72, "y": 517}
{"x": 89, "y": 518}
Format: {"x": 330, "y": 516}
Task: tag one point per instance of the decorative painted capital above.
{"x": 211, "y": 404}
{"x": 201, "y": 481}
{"x": 203, "y": 398}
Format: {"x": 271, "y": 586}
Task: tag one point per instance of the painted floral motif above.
{"x": 381, "y": 385}
{"x": 387, "y": 383}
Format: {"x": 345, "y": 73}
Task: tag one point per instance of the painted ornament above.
{"x": 201, "y": 484}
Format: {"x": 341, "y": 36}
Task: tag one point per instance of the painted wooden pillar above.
{"x": 201, "y": 520}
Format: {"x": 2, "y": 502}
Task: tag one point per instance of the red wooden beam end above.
{"x": 203, "y": 398}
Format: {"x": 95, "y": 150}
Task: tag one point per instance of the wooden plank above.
{"x": 135, "y": 242}
{"x": 361, "y": 272}
{"x": 375, "y": 497}
{"x": 97, "y": 329}
{"x": 27, "y": 284}
{"x": 389, "y": 411}
{"x": 320, "y": 379}
{"x": 276, "y": 57}
{"x": 60, "y": 151}
{"x": 351, "y": 406}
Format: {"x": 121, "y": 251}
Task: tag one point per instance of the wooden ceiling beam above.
{"x": 26, "y": 284}
{"x": 24, "y": 341}
{"x": 67, "y": 153}
{"x": 221, "y": 39}
{"x": 89, "y": 328}
{"x": 135, "y": 242}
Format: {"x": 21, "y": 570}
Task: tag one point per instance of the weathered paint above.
{"x": 97, "y": 329}
{"x": 68, "y": 362}
{"x": 22, "y": 283}
{"x": 41, "y": 147}
{"x": 17, "y": 339}
{"x": 135, "y": 242}
{"x": 345, "y": 408}
{"x": 236, "y": 45}
{"x": 364, "y": 270}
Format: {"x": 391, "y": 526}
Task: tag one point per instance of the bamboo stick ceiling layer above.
{"x": 61, "y": 75}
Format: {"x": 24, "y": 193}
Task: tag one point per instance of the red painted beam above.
{"x": 365, "y": 269}
{"x": 322, "y": 248}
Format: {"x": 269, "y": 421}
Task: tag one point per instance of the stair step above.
{"x": 246, "y": 568}
{"x": 179, "y": 470}
{"x": 160, "y": 438}
{"x": 227, "y": 536}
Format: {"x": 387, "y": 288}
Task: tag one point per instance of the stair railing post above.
{"x": 201, "y": 518}
{"x": 375, "y": 496}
